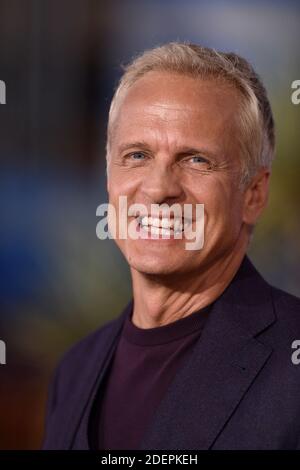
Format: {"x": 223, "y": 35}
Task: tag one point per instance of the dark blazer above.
{"x": 238, "y": 390}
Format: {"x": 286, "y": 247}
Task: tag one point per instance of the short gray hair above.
{"x": 257, "y": 133}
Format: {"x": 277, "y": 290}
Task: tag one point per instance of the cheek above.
{"x": 223, "y": 209}
{"x": 117, "y": 188}
{"x": 123, "y": 182}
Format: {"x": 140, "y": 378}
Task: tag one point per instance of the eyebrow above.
{"x": 132, "y": 145}
{"x": 182, "y": 151}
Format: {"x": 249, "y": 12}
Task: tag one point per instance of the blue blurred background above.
{"x": 60, "y": 60}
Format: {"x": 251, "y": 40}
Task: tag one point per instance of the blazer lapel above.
{"x": 226, "y": 360}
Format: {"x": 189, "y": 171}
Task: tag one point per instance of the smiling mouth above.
{"x": 163, "y": 226}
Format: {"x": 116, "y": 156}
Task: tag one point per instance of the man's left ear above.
{"x": 256, "y": 196}
{"x": 107, "y": 177}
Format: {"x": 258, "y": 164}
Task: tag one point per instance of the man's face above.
{"x": 174, "y": 140}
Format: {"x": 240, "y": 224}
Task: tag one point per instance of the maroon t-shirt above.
{"x": 143, "y": 366}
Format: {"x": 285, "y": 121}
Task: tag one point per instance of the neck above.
{"x": 159, "y": 300}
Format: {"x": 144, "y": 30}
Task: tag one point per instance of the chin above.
{"x": 147, "y": 268}
{"x": 153, "y": 267}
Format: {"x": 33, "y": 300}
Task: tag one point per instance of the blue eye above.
{"x": 199, "y": 159}
{"x": 137, "y": 156}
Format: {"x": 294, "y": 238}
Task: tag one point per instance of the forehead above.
{"x": 167, "y": 104}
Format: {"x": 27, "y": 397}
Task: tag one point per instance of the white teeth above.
{"x": 165, "y": 223}
{"x": 155, "y": 230}
{"x": 160, "y": 223}
{"x": 165, "y": 231}
{"x": 177, "y": 225}
{"x": 163, "y": 226}
{"x": 154, "y": 221}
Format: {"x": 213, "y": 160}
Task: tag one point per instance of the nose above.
{"x": 162, "y": 185}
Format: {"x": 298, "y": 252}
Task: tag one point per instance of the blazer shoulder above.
{"x": 77, "y": 359}
{"x": 87, "y": 346}
{"x": 287, "y": 306}
{"x": 75, "y": 365}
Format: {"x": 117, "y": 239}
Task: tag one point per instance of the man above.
{"x": 201, "y": 358}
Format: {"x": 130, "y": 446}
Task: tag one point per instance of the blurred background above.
{"x": 61, "y": 60}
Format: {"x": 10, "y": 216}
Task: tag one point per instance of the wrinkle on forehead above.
{"x": 167, "y": 106}
{"x": 161, "y": 85}
{"x": 163, "y": 113}
{"x": 175, "y": 107}
{"x": 154, "y": 95}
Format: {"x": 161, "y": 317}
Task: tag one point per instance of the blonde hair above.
{"x": 256, "y": 123}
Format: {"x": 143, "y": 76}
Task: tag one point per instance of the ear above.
{"x": 256, "y": 196}
{"x": 107, "y": 174}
